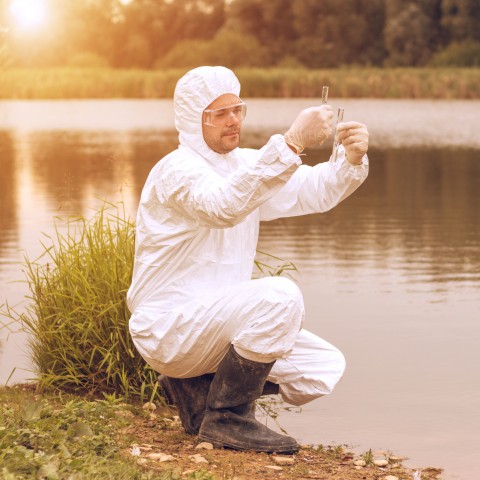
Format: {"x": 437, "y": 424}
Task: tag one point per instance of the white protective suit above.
{"x": 197, "y": 227}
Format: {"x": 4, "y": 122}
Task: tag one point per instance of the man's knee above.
{"x": 285, "y": 298}
{"x": 318, "y": 378}
{"x": 275, "y": 322}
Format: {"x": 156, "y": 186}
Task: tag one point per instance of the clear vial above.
{"x": 340, "y": 113}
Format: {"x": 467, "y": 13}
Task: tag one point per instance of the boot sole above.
{"x": 243, "y": 447}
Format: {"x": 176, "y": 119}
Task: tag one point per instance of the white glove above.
{"x": 312, "y": 127}
{"x": 354, "y": 137}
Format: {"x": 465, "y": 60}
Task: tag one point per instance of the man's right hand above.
{"x": 312, "y": 127}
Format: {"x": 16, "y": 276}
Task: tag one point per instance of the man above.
{"x": 220, "y": 339}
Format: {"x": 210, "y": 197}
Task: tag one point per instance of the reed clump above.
{"x": 83, "y": 83}
{"x": 77, "y": 316}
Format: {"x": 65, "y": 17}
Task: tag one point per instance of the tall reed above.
{"x": 77, "y": 317}
{"x": 71, "y": 83}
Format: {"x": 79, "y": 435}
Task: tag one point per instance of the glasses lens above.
{"x": 221, "y": 116}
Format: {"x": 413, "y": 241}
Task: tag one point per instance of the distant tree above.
{"x": 409, "y": 34}
{"x": 160, "y": 25}
{"x": 229, "y": 48}
{"x": 458, "y": 54}
{"x": 269, "y": 22}
{"x": 332, "y": 33}
{"x": 461, "y": 19}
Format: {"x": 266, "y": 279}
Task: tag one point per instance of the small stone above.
{"x": 360, "y": 463}
{"x": 160, "y": 457}
{"x": 394, "y": 458}
{"x": 197, "y": 458}
{"x": 390, "y": 477}
{"x": 124, "y": 414}
{"x": 381, "y": 462}
{"x": 149, "y": 406}
{"x": 284, "y": 460}
{"x": 274, "y": 468}
{"x": 204, "y": 446}
{"x": 358, "y": 467}
{"x": 135, "y": 451}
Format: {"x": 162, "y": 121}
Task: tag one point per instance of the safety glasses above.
{"x": 220, "y": 116}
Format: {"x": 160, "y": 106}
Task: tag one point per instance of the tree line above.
{"x": 246, "y": 33}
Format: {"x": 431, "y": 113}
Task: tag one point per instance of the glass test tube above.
{"x": 335, "y": 143}
{"x": 324, "y": 95}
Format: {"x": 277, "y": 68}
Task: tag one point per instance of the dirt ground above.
{"x": 159, "y": 443}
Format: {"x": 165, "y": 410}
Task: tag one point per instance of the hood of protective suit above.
{"x": 194, "y": 92}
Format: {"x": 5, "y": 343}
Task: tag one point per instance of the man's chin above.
{"x": 231, "y": 141}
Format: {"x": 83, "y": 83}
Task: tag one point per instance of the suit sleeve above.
{"x": 192, "y": 188}
{"x": 316, "y": 189}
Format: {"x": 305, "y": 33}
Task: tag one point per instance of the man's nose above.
{"x": 232, "y": 119}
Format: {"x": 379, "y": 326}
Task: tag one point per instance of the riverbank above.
{"x": 57, "y": 435}
{"x": 85, "y": 83}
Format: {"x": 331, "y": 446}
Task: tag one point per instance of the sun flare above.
{"x": 29, "y": 14}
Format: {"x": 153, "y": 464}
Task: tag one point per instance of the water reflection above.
{"x": 8, "y": 192}
{"x": 417, "y": 212}
{"x": 404, "y": 250}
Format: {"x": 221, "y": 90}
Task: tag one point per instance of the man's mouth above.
{"x": 229, "y": 134}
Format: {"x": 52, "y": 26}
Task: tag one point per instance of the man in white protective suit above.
{"x": 219, "y": 338}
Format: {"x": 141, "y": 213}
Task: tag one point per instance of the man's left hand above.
{"x": 354, "y": 137}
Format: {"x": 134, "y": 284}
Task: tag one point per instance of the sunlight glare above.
{"x": 29, "y": 13}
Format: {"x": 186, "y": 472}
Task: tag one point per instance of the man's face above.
{"x": 221, "y": 128}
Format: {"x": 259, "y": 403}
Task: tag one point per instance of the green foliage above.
{"x": 408, "y": 37}
{"x": 78, "y": 317}
{"x": 73, "y": 439}
{"x": 228, "y": 48}
{"x": 326, "y": 34}
{"x": 464, "y": 54}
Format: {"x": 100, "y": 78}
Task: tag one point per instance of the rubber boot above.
{"x": 189, "y": 395}
{"x": 228, "y": 420}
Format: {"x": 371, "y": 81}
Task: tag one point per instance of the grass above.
{"x": 77, "y": 316}
{"x": 61, "y": 436}
{"x": 78, "y": 83}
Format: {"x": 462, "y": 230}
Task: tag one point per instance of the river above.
{"x": 391, "y": 276}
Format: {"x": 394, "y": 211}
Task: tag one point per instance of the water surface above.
{"x": 391, "y": 276}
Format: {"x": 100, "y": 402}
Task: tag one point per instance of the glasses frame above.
{"x": 208, "y": 114}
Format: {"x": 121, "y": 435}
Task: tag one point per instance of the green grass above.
{"x": 61, "y": 436}
{"x": 71, "y": 83}
{"x": 77, "y": 316}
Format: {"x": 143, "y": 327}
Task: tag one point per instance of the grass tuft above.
{"x": 78, "y": 318}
